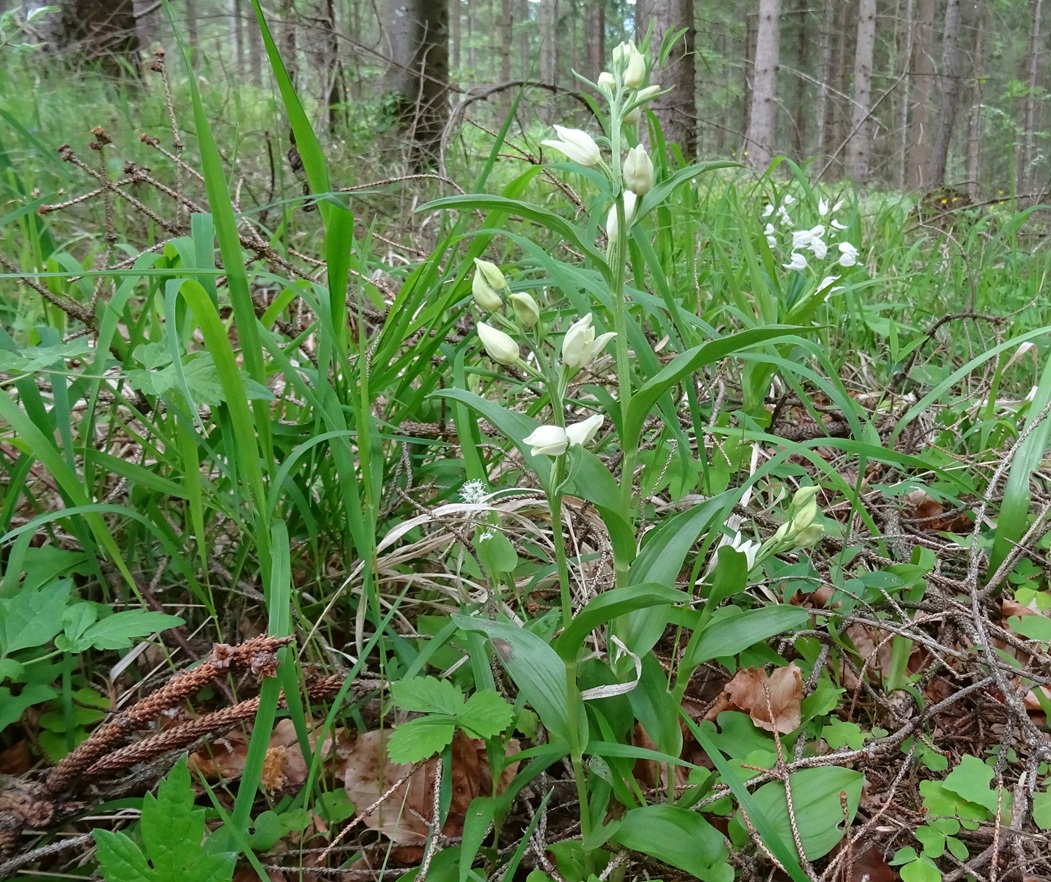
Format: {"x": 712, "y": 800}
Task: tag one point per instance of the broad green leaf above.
{"x": 535, "y": 667}
{"x": 33, "y": 616}
{"x": 678, "y": 837}
{"x": 1033, "y": 627}
{"x": 1041, "y": 808}
{"x": 120, "y": 629}
{"x": 922, "y": 870}
{"x": 602, "y": 609}
{"x": 971, "y": 780}
{"x": 427, "y": 695}
{"x": 687, "y": 363}
{"x": 732, "y": 630}
{"x": 486, "y": 714}
{"x": 420, "y": 738}
{"x": 76, "y": 620}
{"x": 816, "y": 800}
{"x": 13, "y": 706}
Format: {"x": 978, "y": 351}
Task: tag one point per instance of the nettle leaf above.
{"x": 418, "y": 739}
{"x": 427, "y": 695}
{"x": 33, "y": 616}
{"x": 161, "y": 377}
{"x": 41, "y": 358}
{"x": 486, "y": 714}
{"x": 173, "y": 837}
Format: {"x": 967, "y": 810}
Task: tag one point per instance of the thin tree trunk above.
{"x": 1023, "y": 170}
{"x": 455, "y": 33}
{"x": 762, "y": 121}
{"x": 824, "y": 75}
{"x": 503, "y": 40}
{"x": 903, "y": 108}
{"x": 594, "y": 39}
{"x": 923, "y": 82}
{"x": 549, "y": 52}
{"x": 859, "y": 146}
{"x": 974, "y": 133}
{"x": 952, "y": 83}
{"x": 526, "y": 56}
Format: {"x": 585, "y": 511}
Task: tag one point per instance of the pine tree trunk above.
{"x": 974, "y": 132}
{"x": 594, "y": 39}
{"x": 418, "y": 78}
{"x": 859, "y": 145}
{"x": 824, "y": 75}
{"x": 1023, "y": 169}
{"x": 762, "y": 120}
{"x": 677, "y": 110}
{"x": 952, "y": 88}
{"x": 922, "y": 81}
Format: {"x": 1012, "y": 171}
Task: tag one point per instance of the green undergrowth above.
{"x": 699, "y": 505}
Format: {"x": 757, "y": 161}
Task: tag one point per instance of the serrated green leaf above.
{"x": 120, "y": 629}
{"x": 427, "y": 695}
{"x": 33, "y": 616}
{"x": 418, "y": 739}
{"x": 120, "y": 859}
{"x": 485, "y": 715}
{"x": 172, "y": 827}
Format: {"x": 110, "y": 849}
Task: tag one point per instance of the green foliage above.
{"x": 174, "y": 846}
{"x": 484, "y": 715}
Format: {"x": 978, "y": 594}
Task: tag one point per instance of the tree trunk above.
{"x": 824, "y": 75}
{"x": 455, "y": 41}
{"x": 527, "y": 57}
{"x": 677, "y": 111}
{"x": 952, "y": 83}
{"x": 99, "y": 31}
{"x": 595, "y": 39}
{"x": 418, "y": 31}
{"x": 859, "y": 145}
{"x": 1024, "y": 170}
{"x": 902, "y": 153}
{"x": 974, "y": 133}
{"x": 549, "y": 53}
{"x": 923, "y": 77}
{"x": 762, "y": 121}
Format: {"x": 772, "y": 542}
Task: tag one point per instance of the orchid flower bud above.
{"x": 577, "y": 145}
{"x": 638, "y": 171}
{"x": 634, "y": 68}
{"x": 612, "y": 230}
{"x": 607, "y": 82}
{"x": 647, "y": 93}
{"x": 547, "y": 441}
{"x": 526, "y": 311}
{"x": 582, "y": 432}
{"x": 500, "y": 347}
{"x": 486, "y": 293}
{"x": 848, "y": 254}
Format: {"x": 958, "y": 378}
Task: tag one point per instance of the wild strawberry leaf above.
{"x": 485, "y": 715}
{"x": 421, "y": 738}
{"x": 427, "y": 695}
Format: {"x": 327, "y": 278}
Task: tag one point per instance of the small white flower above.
{"x": 473, "y": 492}
{"x": 582, "y": 432}
{"x": 612, "y": 231}
{"x": 798, "y": 262}
{"x": 848, "y": 254}
{"x": 819, "y": 248}
{"x": 782, "y": 216}
{"x": 577, "y": 145}
{"x": 789, "y": 199}
{"x": 822, "y": 207}
{"x": 836, "y": 225}
{"x": 547, "y": 441}
{"x": 805, "y": 238}
{"x": 768, "y": 210}
{"x": 500, "y": 347}
{"x": 580, "y": 346}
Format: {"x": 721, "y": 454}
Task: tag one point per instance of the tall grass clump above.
{"x": 656, "y": 518}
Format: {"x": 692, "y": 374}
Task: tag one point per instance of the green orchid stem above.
{"x": 574, "y": 705}
{"x": 618, "y": 254}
